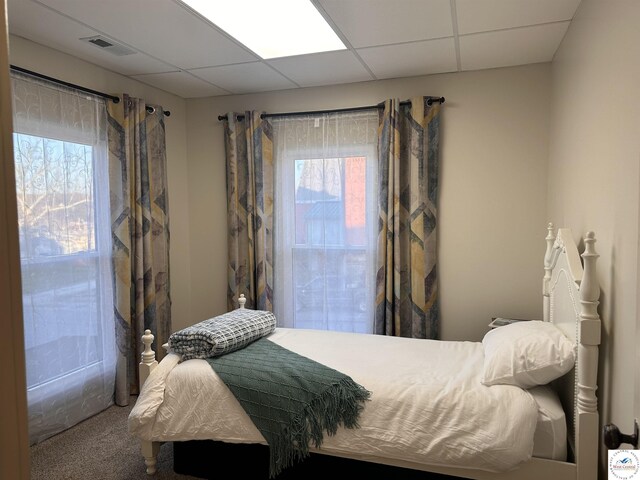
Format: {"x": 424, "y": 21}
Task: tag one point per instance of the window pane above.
{"x": 329, "y": 269}
{"x": 54, "y": 183}
{"x": 62, "y": 315}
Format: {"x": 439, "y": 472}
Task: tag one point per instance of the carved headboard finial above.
{"x": 550, "y": 239}
{"x": 589, "y": 329}
{"x": 548, "y": 256}
{"x": 589, "y": 288}
{"x": 590, "y": 238}
{"x": 242, "y": 300}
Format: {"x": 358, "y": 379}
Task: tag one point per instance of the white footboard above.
{"x": 147, "y": 364}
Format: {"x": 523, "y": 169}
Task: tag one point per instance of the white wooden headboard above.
{"x": 571, "y": 292}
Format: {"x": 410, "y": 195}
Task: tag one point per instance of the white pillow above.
{"x": 526, "y": 354}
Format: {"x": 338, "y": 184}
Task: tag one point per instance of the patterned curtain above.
{"x": 249, "y": 154}
{"x": 406, "y": 282}
{"x": 140, "y": 229}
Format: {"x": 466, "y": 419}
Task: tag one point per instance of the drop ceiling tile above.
{"x": 322, "y": 69}
{"x": 484, "y": 15}
{"x": 411, "y": 59}
{"x": 182, "y": 84}
{"x": 517, "y": 46}
{"x": 379, "y": 22}
{"x": 168, "y": 31}
{"x": 28, "y": 18}
{"x": 41, "y": 25}
{"x": 245, "y": 77}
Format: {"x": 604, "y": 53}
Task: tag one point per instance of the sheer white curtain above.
{"x": 325, "y": 220}
{"x": 65, "y": 248}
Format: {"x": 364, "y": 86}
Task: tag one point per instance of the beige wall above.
{"x": 38, "y": 58}
{"x": 492, "y": 214}
{"x": 594, "y": 174}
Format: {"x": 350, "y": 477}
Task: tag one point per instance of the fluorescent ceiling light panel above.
{"x": 272, "y": 29}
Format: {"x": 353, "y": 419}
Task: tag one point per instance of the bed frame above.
{"x": 570, "y": 300}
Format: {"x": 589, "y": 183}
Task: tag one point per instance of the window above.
{"x": 65, "y": 251}
{"x": 325, "y": 221}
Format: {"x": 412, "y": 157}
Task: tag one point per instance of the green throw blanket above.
{"x": 291, "y": 399}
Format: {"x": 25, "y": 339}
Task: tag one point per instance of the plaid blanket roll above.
{"x": 222, "y": 334}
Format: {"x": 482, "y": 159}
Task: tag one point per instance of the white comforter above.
{"x": 427, "y": 405}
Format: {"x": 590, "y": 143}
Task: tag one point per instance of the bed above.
{"x": 429, "y": 410}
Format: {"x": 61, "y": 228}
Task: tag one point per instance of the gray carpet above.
{"x": 100, "y": 447}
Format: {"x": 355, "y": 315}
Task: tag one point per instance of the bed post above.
{"x": 147, "y": 364}
{"x": 550, "y": 239}
{"x": 587, "y": 403}
{"x": 148, "y": 361}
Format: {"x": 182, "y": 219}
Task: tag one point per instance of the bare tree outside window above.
{"x": 54, "y": 183}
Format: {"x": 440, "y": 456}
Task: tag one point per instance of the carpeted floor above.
{"x": 100, "y": 447}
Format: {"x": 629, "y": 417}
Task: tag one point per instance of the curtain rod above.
{"x": 113, "y": 98}
{"x": 430, "y": 100}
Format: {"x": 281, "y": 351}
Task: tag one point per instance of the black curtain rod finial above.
{"x": 435, "y": 99}
{"x": 151, "y": 109}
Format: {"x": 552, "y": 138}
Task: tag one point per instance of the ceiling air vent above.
{"x": 108, "y": 45}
